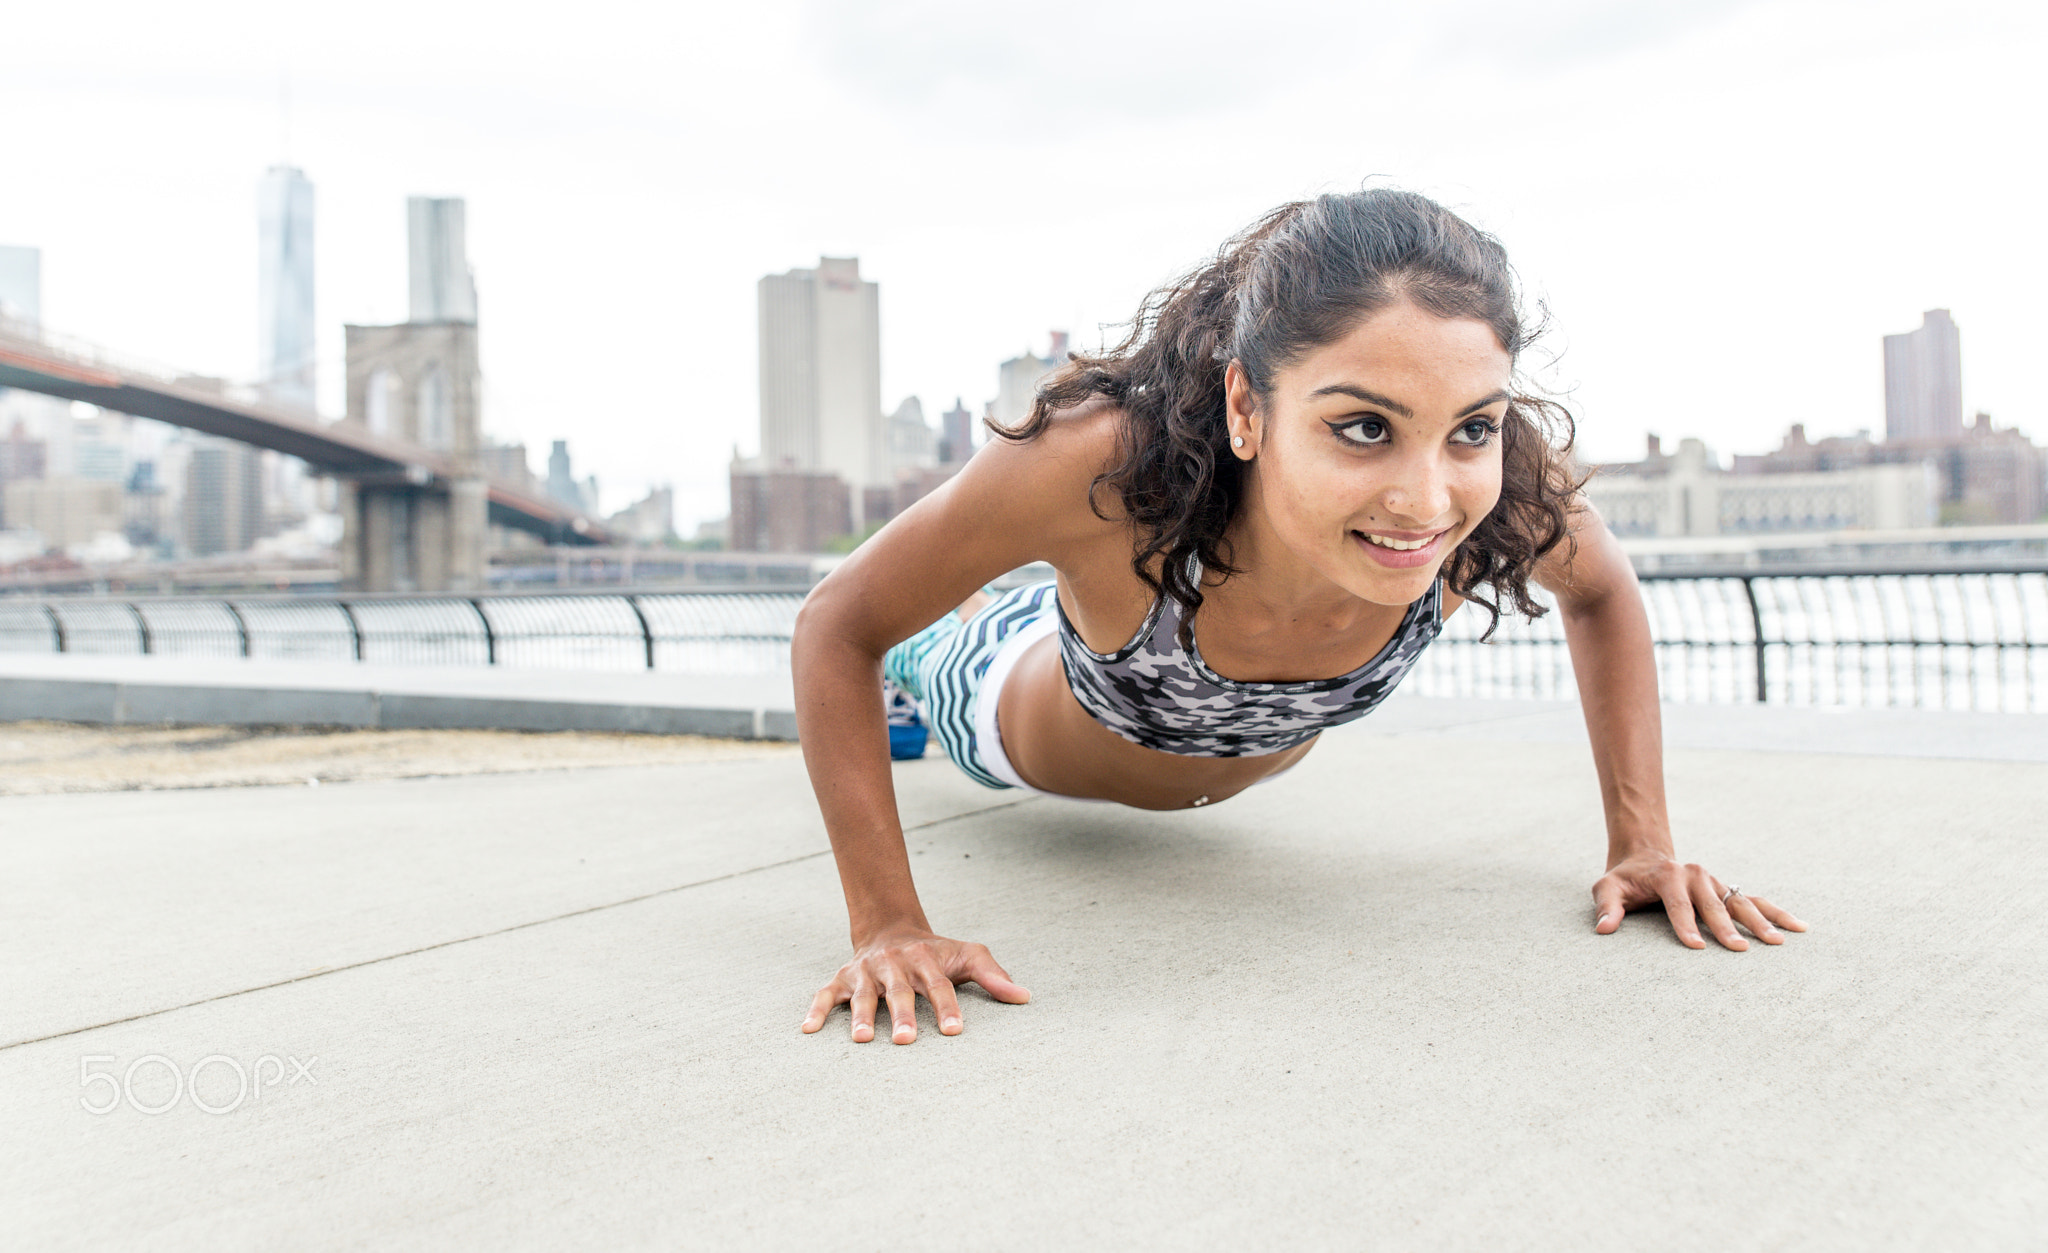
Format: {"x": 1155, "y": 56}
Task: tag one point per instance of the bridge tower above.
{"x": 416, "y": 531}
{"x": 418, "y": 381}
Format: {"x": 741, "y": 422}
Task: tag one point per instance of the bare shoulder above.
{"x": 1047, "y": 482}
{"x": 1080, "y": 442}
{"x": 1015, "y": 502}
{"x": 1585, "y": 557}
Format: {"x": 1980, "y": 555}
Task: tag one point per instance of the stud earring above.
{"x": 1237, "y": 441}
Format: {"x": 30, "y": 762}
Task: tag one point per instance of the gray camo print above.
{"x": 1154, "y": 694}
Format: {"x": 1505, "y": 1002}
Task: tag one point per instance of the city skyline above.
{"x": 916, "y": 140}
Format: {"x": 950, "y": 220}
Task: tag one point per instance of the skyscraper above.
{"x": 912, "y": 442}
{"x": 563, "y": 484}
{"x": 442, "y": 289}
{"x": 45, "y": 419}
{"x": 956, "y": 434}
{"x": 1923, "y": 380}
{"x": 285, "y": 350}
{"x": 821, "y": 374}
{"x": 1017, "y": 380}
{"x": 223, "y": 497}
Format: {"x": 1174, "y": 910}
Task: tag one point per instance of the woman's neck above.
{"x": 1277, "y": 585}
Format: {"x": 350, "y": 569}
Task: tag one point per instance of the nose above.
{"x": 1420, "y": 491}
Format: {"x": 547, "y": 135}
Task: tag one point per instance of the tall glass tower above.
{"x": 440, "y": 285}
{"x": 284, "y": 285}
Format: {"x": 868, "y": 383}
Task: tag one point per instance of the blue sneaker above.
{"x": 907, "y": 733}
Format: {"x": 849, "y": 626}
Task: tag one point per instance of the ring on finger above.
{"x": 1732, "y": 891}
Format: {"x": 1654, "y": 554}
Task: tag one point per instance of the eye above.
{"x": 1362, "y": 431}
{"x": 1477, "y": 433}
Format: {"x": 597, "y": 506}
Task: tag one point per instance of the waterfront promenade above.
{"x": 1361, "y": 1007}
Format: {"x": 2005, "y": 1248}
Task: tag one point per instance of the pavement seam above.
{"x": 485, "y": 935}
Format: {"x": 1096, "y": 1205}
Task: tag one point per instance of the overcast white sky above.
{"x": 1726, "y": 203}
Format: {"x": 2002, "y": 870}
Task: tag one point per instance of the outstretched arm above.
{"x": 1609, "y": 636}
{"x": 1010, "y": 505}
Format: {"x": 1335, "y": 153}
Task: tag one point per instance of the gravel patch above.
{"x": 39, "y": 758}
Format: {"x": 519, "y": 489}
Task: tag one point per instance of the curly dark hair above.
{"x": 1304, "y": 276}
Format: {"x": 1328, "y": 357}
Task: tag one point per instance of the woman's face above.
{"x": 1375, "y": 455}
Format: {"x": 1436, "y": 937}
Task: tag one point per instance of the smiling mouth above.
{"x": 1398, "y": 545}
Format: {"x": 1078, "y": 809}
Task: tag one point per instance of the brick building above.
{"x": 787, "y": 510}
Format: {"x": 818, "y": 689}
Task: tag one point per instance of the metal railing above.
{"x": 703, "y": 631}
{"x": 1924, "y": 638}
{"x": 1930, "y": 638}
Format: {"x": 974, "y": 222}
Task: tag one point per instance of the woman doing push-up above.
{"x": 1260, "y": 507}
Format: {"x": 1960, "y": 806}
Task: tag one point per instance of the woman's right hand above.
{"x": 900, "y": 965}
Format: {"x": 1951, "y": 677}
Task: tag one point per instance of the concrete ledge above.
{"x": 156, "y": 704}
{"x": 158, "y": 691}
{"x": 60, "y": 700}
{"x": 484, "y": 713}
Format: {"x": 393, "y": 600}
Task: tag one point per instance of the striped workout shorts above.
{"x": 943, "y": 667}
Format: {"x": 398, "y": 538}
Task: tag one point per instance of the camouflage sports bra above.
{"x": 1154, "y": 693}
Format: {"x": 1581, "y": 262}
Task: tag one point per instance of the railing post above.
{"x": 490, "y": 636}
{"x": 355, "y": 628}
{"x": 646, "y": 632}
{"x": 241, "y": 625}
{"x": 57, "y": 627}
{"x": 141, "y": 626}
{"x": 1756, "y": 619}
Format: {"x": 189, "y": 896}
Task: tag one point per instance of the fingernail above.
{"x": 952, "y": 1022}
{"x": 1603, "y": 920}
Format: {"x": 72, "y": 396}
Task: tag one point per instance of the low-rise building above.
{"x": 507, "y": 463}
{"x": 787, "y": 510}
{"x": 66, "y": 512}
{"x": 1687, "y": 493}
{"x": 1986, "y": 476}
{"x": 648, "y": 521}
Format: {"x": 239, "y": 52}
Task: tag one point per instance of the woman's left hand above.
{"x": 1690, "y": 896}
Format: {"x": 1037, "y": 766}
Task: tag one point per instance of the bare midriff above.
{"x": 1057, "y": 746}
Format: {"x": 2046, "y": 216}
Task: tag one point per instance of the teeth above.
{"x": 1398, "y": 545}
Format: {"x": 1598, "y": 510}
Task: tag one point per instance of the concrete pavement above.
{"x": 1359, "y": 1007}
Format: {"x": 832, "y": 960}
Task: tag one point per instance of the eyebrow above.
{"x": 1385, "y": 402}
